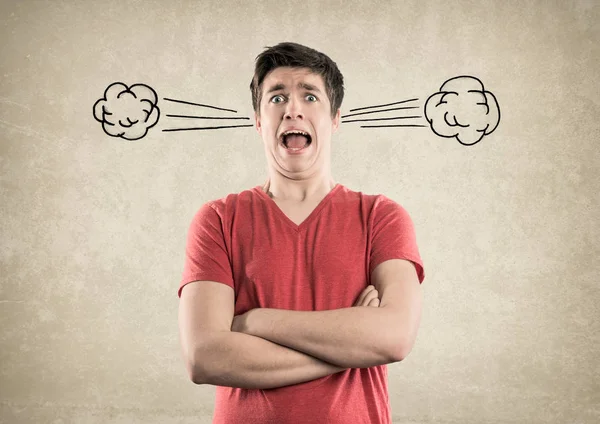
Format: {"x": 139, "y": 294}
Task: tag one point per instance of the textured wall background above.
{"x": 92, "y": 227}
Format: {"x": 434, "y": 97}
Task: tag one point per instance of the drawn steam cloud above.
{"x": 463, "y": 109}
{"x": 127, "y": 112}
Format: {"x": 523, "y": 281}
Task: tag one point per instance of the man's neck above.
{"x": 298, "y": 191}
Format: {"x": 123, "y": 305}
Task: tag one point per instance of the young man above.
{"x": 296, "y": 294}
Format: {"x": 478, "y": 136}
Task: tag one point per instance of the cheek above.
{"x": 324, "y": 127}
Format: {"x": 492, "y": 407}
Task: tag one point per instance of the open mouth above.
{"x": 295, "y": 140}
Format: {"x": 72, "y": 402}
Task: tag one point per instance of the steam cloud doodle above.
{"x": 462, "y": 109}
{"x": 127, "y": 112}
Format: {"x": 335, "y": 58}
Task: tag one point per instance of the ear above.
{"x": 336, "y": 120}
{"x": 257, "y": 123}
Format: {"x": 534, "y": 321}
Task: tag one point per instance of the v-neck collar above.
{"x": 315, "y": 212}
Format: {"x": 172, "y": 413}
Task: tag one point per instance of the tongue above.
{"x": 296, "y": 141}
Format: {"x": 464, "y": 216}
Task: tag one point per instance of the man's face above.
{"x": 294, "y": 99}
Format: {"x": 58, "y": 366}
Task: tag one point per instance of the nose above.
{"x": 293, "y": 109}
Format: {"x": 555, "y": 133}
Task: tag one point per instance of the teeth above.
{"x": 295, "y": 132}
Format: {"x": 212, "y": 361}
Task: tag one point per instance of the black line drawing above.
{"x": 463, "y": 109}
{"x": 379, "y": 111}
{"x": 389, "y": 126}
{"x": 381, "y": 119}
{"x": 207, "y": 117}
{"x": 218, "y": 127}
{"x": 388, "y": 104}
{"x": 384, "y": 119}
{"x": 129, "y": 112}
{"x": 199, "y": 104}
{"x": 207, "y": 128}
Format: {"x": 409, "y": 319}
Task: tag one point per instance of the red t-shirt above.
{"x": 246, "y": 242}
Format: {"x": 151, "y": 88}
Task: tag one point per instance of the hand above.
{"x": 368, "y": 297}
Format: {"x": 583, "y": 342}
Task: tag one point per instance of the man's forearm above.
{"x": 357, "y": 337}
{"x": 241, "y": 360}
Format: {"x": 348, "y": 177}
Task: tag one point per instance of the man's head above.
{"x": 295, "y": 55}
{"x": 298, "y": 89}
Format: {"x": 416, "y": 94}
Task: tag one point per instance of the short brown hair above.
{"x": 298, "y": 56}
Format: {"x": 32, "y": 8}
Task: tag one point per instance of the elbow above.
{"x": 204, "y": 359}
{"x": 198, "y": 379}
{"x": 401, "y": 343}
{"x": 400, "y": 349}
{"x": 198, "y": 376}
{"x": 195, "y": 376}
{"x": 399, "y": 354}
{"x": 194, "y": 367}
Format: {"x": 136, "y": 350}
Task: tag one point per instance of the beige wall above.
{"x": 92, "y": 227}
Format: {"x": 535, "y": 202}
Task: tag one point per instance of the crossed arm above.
{"x": 267, "y": 348}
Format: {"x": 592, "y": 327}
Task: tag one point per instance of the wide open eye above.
{"x": 311, "y": 98}
{"x": 277, "y": 99}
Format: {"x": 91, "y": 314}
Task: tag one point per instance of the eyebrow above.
{"x": 304, "y": 85}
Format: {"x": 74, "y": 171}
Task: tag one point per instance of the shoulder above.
{"x": 376, "y": 205}
{"x": 383, "y": 205}
{"x": 224, "y": 207}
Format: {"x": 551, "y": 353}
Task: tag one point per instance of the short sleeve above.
{"x": 393, "y": 236}
{"x": 206, "y": 256}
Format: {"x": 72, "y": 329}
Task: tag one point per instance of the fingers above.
{"x": 362, "y": 295}
{"x": 374, "y": 302}
{"x": 368, "y": 297}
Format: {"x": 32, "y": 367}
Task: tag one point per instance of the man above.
{"x": 296, "y": 294}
